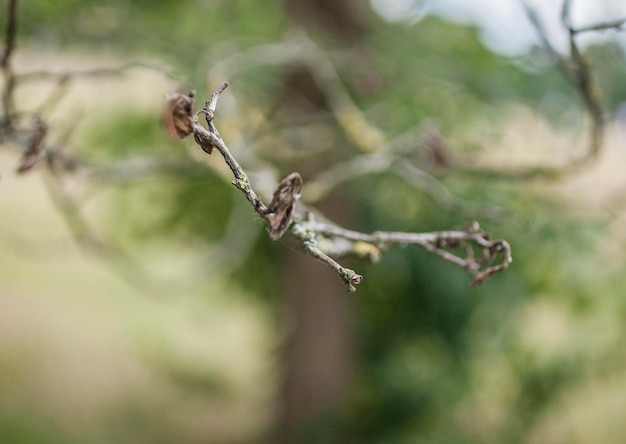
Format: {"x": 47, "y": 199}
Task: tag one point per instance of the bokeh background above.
{"x": 199, "y": 329}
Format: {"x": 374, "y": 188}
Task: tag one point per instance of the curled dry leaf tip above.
{"x": 179, "y": 114}
{"x": 281, "y": 208}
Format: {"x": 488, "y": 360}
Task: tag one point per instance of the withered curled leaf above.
{"x": 179, "y": 114}
{"x": 281, "y": 207}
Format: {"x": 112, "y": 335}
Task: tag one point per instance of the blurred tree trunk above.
{"x": 317, "y": 361}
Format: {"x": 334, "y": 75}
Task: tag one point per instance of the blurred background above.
{"x": 141, "y": 300}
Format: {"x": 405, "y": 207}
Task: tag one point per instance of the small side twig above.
{"x": 210, "y": 139}
{"x": 308, "y": 238}
{"x": 280, "y": 210}
{"x": 438, "y": 243}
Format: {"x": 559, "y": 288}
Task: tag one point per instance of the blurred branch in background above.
{"x": 617, "y": 25}
{"x": 579, "y": 73}
{"x": 59, "y": 160}
{"x": 117, "y": 258}
{"x": 380, "y": 154}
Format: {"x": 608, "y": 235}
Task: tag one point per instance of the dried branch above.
{"x": 280, "y": 210}
{"x": 207, "y": 142}
{"x": 320, "y": 240}
{"x": 308, "y": 238}
{"x": 437, "y": 243}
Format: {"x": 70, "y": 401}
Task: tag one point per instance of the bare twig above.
{"x": 308, "y": 238}
{"x": 211, "y": 139}
{"x": 318, "y": 239}
{"x": 279, "y": 212}
{"x": 436, "y": 243}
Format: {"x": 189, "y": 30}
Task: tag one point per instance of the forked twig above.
{"x": 319, "y": 239}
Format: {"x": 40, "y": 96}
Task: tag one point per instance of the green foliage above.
{"x": 611, "y": 58}
{"x": 126, "y": 133}
{"x": 437, "y": 69}
{"x": 181, "y": 30}
{"x": 26, "y": 426}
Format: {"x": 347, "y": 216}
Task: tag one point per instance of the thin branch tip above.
{"x": 209, "y": 107}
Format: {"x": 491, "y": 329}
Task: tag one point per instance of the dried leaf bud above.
{"x": 179, "y": 114}
{"x": 282, "y": 205}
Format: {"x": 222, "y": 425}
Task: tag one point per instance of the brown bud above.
{"x": 179, "y": 114}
